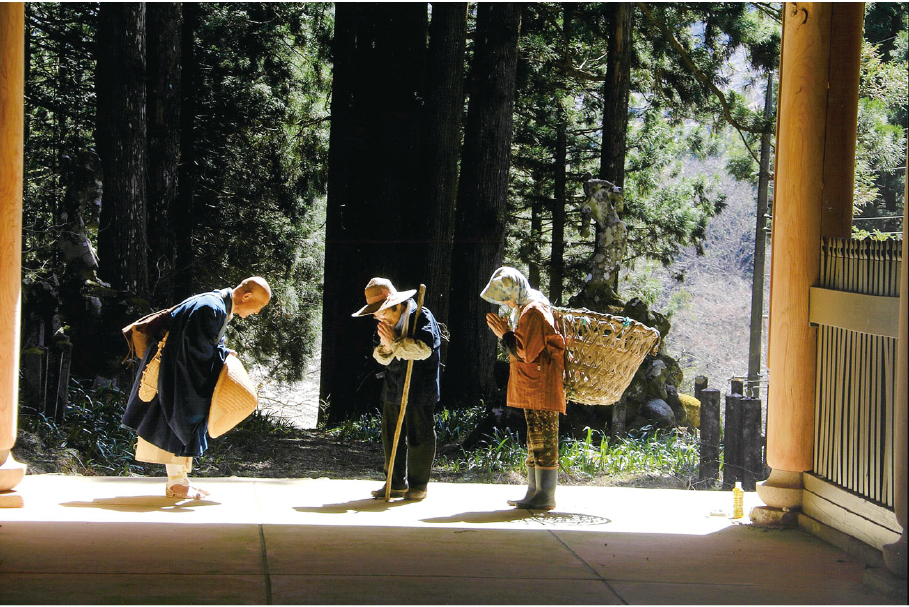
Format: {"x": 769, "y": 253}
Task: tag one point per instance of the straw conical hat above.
{"x": 234, "y": 398}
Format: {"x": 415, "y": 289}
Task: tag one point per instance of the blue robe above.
{"x": 176, "y": 419}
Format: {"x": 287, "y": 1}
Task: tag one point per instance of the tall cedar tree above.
{"x": 442, "y": 139}
{"x": 479, "y": 244}
{"x": 616, "y": 94}
{"x": 121, "y": 140}
{"x": 560, "y": 185}
{"x": 379, "y": 53}
{"x": 182, "y": 215}
{"x": 165, "y": 28}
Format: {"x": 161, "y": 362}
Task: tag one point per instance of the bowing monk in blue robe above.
{"x": 172, "y": 424}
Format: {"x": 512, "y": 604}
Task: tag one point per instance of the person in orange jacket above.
{"x": 535, "y": 383}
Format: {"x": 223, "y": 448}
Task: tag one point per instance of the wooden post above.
{"x": 700, "y": 384}
{"x": 751, "y": 445}
{"x": 12, "y": 88}
{"x": 710, "y": 437}
{"x": 732, "y": 441}
{"x": 737, "y": 386}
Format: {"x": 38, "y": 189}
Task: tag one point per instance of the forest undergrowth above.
{"x": 91, "y": 442}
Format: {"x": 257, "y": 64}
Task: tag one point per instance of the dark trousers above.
{"x": 416, "y": 446}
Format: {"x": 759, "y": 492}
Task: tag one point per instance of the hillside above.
{"x": 710, "y": 310}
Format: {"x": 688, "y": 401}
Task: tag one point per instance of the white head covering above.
{"x": 507, "y": 283}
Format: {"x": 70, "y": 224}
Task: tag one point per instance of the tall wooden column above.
{"x": 816, "y": 124}
{"x": 12, "y": 75}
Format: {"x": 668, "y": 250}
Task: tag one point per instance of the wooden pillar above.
{"x": 895, "y": 554}
{"x": 846, "y": 25}
{"x": 12, "y": 89}
{"x": 795, "y": 263}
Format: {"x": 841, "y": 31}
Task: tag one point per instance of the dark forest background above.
{"x": 173, "y": 148}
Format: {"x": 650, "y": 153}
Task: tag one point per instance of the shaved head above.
{"x": 251, "y": 295}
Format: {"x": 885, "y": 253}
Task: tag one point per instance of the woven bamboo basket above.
{"x": 234, "y": 398}
{"x": 602, "y": 354}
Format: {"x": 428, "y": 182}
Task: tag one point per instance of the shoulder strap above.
{"x": 146, "y": 330}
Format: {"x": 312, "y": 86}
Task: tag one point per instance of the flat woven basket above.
{"x": 602, "y": 354}
{"x": 234, "y": 398}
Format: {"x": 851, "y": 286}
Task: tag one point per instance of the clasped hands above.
{"x": 387, "y": 335}
{"x": 498, "y": 324}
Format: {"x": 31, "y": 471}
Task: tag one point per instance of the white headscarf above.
{"x": 508, "y": 283}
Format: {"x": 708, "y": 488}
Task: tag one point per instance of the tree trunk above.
{"x": 371, "y": 226}
{"x": 755, "y": 340}
{"x": 560, "y": 179}
{"x": 482, "y": 193}
{"x": 121, "y": 137}
{"x": 559, "y": 203}
{"x": 165, "y": 24}
{"x": 616, "y": 90}
{"x": 338, "y": 292}
{"x": 534, "y": 248}
{"x": 182, "y": 214}
{"x": 445, "y": 101}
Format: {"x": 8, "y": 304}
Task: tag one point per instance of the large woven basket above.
{"x": 234, "y": 398}
{"x": 603, "y": 352}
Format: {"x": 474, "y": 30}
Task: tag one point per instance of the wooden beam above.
{"x": 871, "y": 314}
{"x": 849, "y": 513}
{"x": 12, "y": 88}
{"x": 846, "y": 25}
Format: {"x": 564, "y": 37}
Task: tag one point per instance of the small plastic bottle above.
{"x": 738, "y": 496}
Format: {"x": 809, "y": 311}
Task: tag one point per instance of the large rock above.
{"x": 692, "y": 407}
{"x": 659, "y": 413}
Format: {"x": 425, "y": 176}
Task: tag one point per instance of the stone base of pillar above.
{"x": 11, "y": 473}
{"x": 895, "y": 557}
{"x": 764, "y": 516}
{"x": 782, "y": 490}
{"x": 11, "y": 499}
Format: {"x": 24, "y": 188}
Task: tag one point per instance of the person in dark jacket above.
{"x": 171, "y": 422}
{"x": 396, "y": 312}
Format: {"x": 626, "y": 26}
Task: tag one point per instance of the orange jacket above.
{"x": 536, "y": 378}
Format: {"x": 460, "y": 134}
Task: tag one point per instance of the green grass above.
{"x": 503, "y": 453}
{"x": 646, "y": 452}
{"x": 92, "y": 430}
{"x": 367, "y": 427}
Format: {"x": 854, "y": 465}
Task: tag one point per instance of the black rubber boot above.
{"x": 531, "y": 488}
{"x": 544, "y": 498}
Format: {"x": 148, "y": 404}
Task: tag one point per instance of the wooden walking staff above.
{"x": 394, "y": 445}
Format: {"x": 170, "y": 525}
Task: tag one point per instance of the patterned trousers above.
{"x": 542, "y": 438}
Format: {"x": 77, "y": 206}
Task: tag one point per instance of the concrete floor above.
{"x": 102, "y": 540}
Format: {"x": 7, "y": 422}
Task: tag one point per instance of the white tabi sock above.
{"x": 176, "y": 475}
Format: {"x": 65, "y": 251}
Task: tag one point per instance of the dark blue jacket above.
{"x": 176, "y": 419}
{"x": 424, "y": 379}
